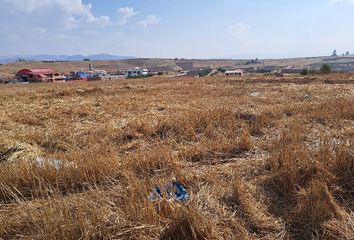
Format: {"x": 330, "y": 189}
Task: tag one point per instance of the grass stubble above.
{"x": 261, "y": 157}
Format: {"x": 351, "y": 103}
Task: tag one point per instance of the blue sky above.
{"x": 177, "y": 28}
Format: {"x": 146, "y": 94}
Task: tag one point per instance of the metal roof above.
{"x": 234, "y": 71}
{"x": 37, "y": 71}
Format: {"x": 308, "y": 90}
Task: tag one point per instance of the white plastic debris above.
{"x": 254, "y": 94}
{"x": 57, "y": 164}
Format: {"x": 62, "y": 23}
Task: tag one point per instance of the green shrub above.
{"x": 305, "y": 72}
{"x": 325, "y": 69}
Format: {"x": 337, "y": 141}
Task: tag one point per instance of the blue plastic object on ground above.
{"x": 172, "y": 191}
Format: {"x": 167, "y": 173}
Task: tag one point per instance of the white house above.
{"x": 237, "y": 72}
{"x": 137, "y": 72}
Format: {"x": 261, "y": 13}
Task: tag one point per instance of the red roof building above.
{"x": 39, "y": 75}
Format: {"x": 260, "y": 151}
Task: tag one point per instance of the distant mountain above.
{"x": 98, "y": 57}
{"x": 47, "y": 57}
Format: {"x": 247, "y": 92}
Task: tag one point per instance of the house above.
{"x": 235, "y": 72}
{"x": 137, "y": 72}
{"x": 82, "y": 76}
{"x": 99, "y": 73}
{"x": 39, "y": 75}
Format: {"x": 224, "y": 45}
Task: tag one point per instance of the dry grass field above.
{"x": 261, "y": 157}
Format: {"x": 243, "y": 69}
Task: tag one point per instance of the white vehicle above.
{"x": 137, "y": 72}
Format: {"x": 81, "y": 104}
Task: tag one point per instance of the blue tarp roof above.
{"x": 83, "y": 74}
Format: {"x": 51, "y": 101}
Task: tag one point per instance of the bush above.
{"x": 305, "y": 72}
{"x": 325, "y": 69}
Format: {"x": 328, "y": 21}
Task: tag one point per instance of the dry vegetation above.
{"x": 262, "y": 158}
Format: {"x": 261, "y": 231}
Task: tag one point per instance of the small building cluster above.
{"x": 202, "y": 72}
{"x": 48, "y": 75}
{"x": 39, "y": 75}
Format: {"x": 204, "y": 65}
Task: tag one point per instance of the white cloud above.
{"x": 126, "y": 13}
{"x": 150, "y": 20}
{"x": 73, "y": 12}
{"x": 25, "y": 5}
{"x": 341, "y": 1}
{"x": 237, "y": 30}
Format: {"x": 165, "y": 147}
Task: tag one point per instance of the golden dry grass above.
{"x": 261, "y": 157}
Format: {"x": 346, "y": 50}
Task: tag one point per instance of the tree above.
{"x": 86, "y": 60}
{"x": 325, "y": 69}
{"x": 334, "y": 53}
{"x": 305, "y": 72}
